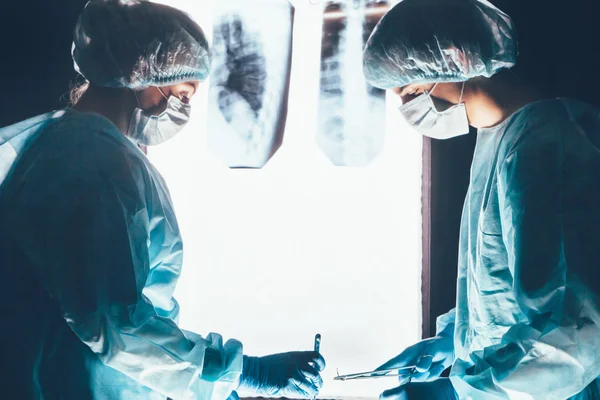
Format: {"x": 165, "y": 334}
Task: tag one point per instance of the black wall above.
{"x": 36, "y": 65}
{"x": 559, "y": 43}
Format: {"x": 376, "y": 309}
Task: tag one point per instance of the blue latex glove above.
{"x": 439, "y": 389}
{"x": 440, "y": 347}
{"x": 294, "y": 374}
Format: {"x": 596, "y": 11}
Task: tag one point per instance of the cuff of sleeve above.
{"x": 220, "y": 370}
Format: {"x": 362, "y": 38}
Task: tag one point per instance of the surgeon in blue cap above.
{"x": 527, "y": 319}
{"x": 89, "y": 243}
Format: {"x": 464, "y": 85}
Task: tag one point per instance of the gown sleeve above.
{"x": 82, "y": 218}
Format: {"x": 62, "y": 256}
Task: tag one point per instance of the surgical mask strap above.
{"x": 432, "y": 89}
{"x": 161, "y": 92}
{"x": 462, "y": 90}
{"x": 136, "y": 99}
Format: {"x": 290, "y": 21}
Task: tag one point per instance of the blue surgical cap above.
{"x": 136, "y": 44}
{"x": 428, "y": 41}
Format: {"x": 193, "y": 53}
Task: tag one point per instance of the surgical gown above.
{"x": 527, "y": 320}
{"x": 90, "y": 255}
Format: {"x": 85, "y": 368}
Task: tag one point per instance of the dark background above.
{"x": 36, "y": 66}
{"x": 559, "y": 42}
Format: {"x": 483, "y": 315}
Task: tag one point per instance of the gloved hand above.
{"x": 441, "y": 350}
{"x": 439, "y": 389}
{"x": 294, "y": 374}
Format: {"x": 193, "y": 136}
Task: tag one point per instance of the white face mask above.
{"x": 425, "y": 118}
{"x": 150, "y": 130}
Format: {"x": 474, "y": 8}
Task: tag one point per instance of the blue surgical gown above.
{"x": 527, "y": 319}
{"x": 90, "y": 253}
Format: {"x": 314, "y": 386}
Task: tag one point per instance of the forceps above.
{"x": 407, "y": 371}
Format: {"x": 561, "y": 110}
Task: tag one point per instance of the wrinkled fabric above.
{"x": 527, "y": 322}
{"x": 91, "y": 253}
{"x": 136, "y": 44}
{"x": 432, "y": 41}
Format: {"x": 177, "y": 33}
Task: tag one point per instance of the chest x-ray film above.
{"x": 351, "y": 121}
{"x": 252, "y": 49}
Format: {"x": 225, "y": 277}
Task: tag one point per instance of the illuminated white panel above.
{"x": 274, "y": 256}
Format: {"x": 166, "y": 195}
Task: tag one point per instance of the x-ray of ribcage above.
{"x": 351, "y": 122}
{"x": 252, "y": 43}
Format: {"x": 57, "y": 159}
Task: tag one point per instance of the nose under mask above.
{"x": 150, "y": 130}
{"x": 422, "y": 114}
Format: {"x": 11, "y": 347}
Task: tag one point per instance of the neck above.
{"x": 489, "y": 101}
{"x": 116, "y": 105}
